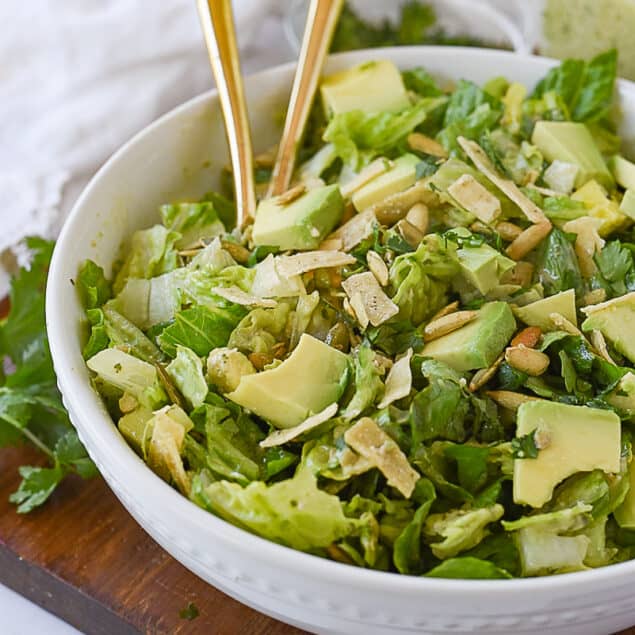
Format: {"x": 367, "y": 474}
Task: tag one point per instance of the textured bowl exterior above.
{"x": 178, "y": 156}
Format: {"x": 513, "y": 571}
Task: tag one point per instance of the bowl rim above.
{"x": 85, "y": 404}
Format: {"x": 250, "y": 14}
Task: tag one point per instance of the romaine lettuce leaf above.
{"x": 557, "y": 266}
{"x": 459, "y": 530}
{"x": 407, "y": 547}
{"x": 585, "y": 87}
{"x": 261, "y": 329}
{"x": 421, "y": 280}
{"x": 193, "y": 221}
{"x": 201, "y": 328}
{"x": 368, "y": 384}
{"x": 151, "y": 253}
{"x": 186, "y": 371}
{"x": 93, "y": 287}
{"x": 359, "y": 136}
{"x": 468, "y": 567}
{"x": 294, "y": 512}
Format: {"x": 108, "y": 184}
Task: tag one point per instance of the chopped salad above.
{"x": 419, "y": 359}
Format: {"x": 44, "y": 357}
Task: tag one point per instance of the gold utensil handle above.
{"x": 220, "y": 37}
{"x": 318, "y": 32}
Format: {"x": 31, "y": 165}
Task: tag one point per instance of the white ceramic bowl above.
{"x": 180, "y": 155}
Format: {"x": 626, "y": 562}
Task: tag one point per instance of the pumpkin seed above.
{"x": 509, "y": 399}
{"x": 527, "y": 360}
{"x": 528, "y": 240}
{"x": 447, "y": 324}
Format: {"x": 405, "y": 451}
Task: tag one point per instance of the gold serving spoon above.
{"x": 318, "y": 32}
{"x": 220, "y": 37}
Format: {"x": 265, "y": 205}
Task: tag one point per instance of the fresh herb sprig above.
{"x": 31, "y": 408}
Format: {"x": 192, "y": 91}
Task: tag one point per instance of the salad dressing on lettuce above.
{"x": 418, "y": 359}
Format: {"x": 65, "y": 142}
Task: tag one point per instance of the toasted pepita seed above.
{"x": 373, "y": 169}
{"x": 482, "y": 376}
{"x": 239, "y": 253}
{"x": 480, "y": 227}
{"x": 291, "y": 194}
{"x": 594, "y": 297}
{"x": 527, "y": 360}
{"x": 508, "y": 231}
{"x": 395, "y": 207}
{"x": 598, "y": 341}
{"x": 509, "y": 399}
{"x": 528, "y": 337}
{"x": 520, "y": 274}
{"x": 447, "y": 323}
{"x": 378, "y": 267}
{"x": 423, "y": 143}
{"x": 419, "y": 216}
{"x": 528, "y": 240}
{"x": 411, "y": 234}
{"x": 446, "y": 310}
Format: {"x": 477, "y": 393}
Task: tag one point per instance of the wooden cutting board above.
{"x": 83, "y": 558}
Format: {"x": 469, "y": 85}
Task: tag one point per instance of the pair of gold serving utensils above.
{"x": 220, "y": 37}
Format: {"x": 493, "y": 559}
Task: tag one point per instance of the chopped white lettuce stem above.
{"x": 371, "y": 442}
{"x": 560, "y": 176}
{"x": 484, "y": 165}
{"x": 398, "y": 381}
{"x": 269, "y": 282}
{"x": 475, "y": 198}
{"x": 368, "y": 299}
{"x": 280, "y": 437}
{"x": 288, "y": 266}
{"x": 355, "y": 230}
{"x": 238, "y": 296}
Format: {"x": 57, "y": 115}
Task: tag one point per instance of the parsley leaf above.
{"x": 31, "y": 407}
{"x": 525, "y": 447}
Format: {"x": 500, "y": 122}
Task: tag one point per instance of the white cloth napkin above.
{"x": 80, "y": 77}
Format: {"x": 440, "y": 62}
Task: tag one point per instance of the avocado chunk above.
{"x": 622, "y": 397}
{"x": 483, "y": 266}
{"x": 615, "y": 319}
{"x": 623, "y": 170}
{"x": 303, "y": 223}
{"x": 311, "y": 378}
{"x": 401, "y": 175}
{"x": 371, "y": 87}
{"x": 537, "y": 313}
{"x": 134, "y": 428}
{"x": 625, "y": 513}
{"x": 573, "y": 439}
{"x": 627, "y": 206}
{"x": 572, "y": 143}
{"x": 478, "y": 343}
{"x": 599, "y": 205}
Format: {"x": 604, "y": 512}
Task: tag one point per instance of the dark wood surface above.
{"x": 83, "y": 558}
